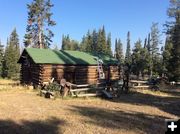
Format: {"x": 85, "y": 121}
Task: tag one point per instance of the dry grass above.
{"x": 23, "y": 111}
{"x": 8, "y": 82}
{"x": 162, "y": 93}
{"x": 12, "y": 86}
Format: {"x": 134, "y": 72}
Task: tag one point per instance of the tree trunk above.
{"x": 40, "y": 33}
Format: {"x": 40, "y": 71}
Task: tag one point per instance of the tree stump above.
{"x": 66, "y": 86}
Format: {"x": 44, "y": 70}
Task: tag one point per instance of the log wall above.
{"x": 30, "y": 74}
{"x": 38, "y": 73}
{"x": 74, "y": 74}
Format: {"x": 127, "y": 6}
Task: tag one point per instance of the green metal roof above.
{"x": 49, "y": 56}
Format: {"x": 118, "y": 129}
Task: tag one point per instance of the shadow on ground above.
{"x": 167, "y": 104}
{"x": 129, "y": 121}
{"x": 49, "y": 126}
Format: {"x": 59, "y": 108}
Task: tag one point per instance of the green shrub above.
{"x": 53, "y": 87}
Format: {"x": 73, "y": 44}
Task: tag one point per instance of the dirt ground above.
{"x": 22, "y": 111}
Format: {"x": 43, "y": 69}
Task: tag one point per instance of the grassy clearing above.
{"x": 8, "y": 82}
{"x": 162, "y": 93}
{"x": 23, "y": 111}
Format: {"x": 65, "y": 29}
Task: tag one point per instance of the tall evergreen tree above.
{"x": 128, "y": 50}
{"x": 149, "y": 43}
{"x": 74, "y": 45}
{"x": 109, "y": 51}
{"x": 167, "y": 55}
{"x": 1, "y": 58}
{"x": 145, "y": 43}
{"x": 139, "y": 59}
{"x": 119, "y": 51}
{"x": 96, "y": 42}
{"x": 38, "y": 33}
{"x": 155, "y": 39}
{"x": 116, "y": 49}
{"x": 5, "y": 68}
{"x": 174, "y": 32}
{"x": 101, "y": 43}
{"x": 11, "y": 56}
{"x": 68, "y": 44}
{"x": 153, "y": 48}
{"x": 95, "y": 39}
{"x": 89, "y": 42}
{"x": 148, "y": 48}
{"x": 83, "y": 44}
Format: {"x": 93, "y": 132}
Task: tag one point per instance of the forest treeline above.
{"x": 145, "y": 57}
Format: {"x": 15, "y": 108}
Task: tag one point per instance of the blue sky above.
{"x": 75, "y": 17}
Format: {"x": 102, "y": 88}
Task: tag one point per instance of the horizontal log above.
{"x": 69, "y": 73}
{"x": 89, "y": 72}
{"x": 86, "y": 75}
{"x": 86, "y": 95}
{"x": 80, "y": 86}
{"x": 80, "y": 89}
{"x": 70, "y": 69}
{"x": 85, "y": 82}
{"x": 140, "y": 86}
{"x": 138, "y": 81}
{"x": 86, "y": 69}
{"x": 114, "y": 78}
{"x": 85, "y": 78}
{"x": 36, "y": 79}
{"x": 50, "y": 71}
{"x": 114, "y": 75}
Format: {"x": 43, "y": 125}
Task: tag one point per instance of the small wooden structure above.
{"x": 38, "y": 66}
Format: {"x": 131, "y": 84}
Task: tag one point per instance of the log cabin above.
{"x": 40, "y": 65}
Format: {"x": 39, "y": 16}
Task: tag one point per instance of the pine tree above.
{"x": 145, "y": 43}
{"x": 148, "y": 48}
{"x": 95, "y": 39}
{"x": 153, "y": 49}
{"x": 96, "y": 42}
{"x": 109, "y": 51}
{"x": 174, "y": 32}
{"x": 68, "y": 44}
{"x": 155, "y": 42}
{"x": 74, "y": 45}
{"x": 5, "y": 68}
{"x": 155, "y": 39}
{"x": 167, "y": 55}
{"x": 119, "y": 51}
{"x": 11, "y": 68}
{"x": 89, "y": 42}
{"x": 83, "y": 44}
{"x": 1, "y": 58}
{"x": 149, "y": 43}
{"x": 128, "y": 50}
{"x": 139, "y": 59}
{"x": 103, "y": 40}
{"x": 63, "y": 43}
{"x": 38, "y": 33}
{"x": 101, "y": 43}
{"x": 136, "y": 58}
